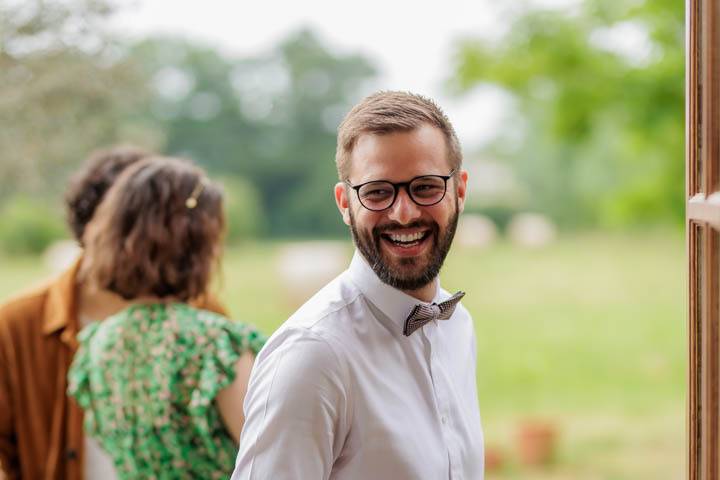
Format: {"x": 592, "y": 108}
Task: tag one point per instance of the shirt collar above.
{"x": 60, "y": 311}
{"x": 394, "y": 303}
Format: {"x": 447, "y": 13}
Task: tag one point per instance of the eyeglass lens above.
{"x": 425, "y": 191}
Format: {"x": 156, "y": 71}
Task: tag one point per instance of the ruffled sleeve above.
{"x": 226, "y": 341}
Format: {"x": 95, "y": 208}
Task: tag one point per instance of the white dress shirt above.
{"x": 338, "y": 392}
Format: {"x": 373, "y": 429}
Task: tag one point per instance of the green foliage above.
{"x": 242, "y": 209}
{"x": 29, "y": 226}
{"x": 501, "y": 215}
{"x": 67, "y": 89}
{"x": 600, "y": 136}
{"x": 270, "y": 119}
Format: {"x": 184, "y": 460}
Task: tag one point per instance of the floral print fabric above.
{"x": 147, "y": 377}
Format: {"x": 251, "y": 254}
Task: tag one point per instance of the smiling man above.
{"x": 374, "y": 377}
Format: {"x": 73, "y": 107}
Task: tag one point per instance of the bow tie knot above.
{"x": 423, "y": 314}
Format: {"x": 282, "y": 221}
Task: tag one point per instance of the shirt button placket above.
{"x": 436, "y": 383}
{"x": 441, "y": 399}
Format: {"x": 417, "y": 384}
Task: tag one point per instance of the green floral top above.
{"x": 146, "y": 378}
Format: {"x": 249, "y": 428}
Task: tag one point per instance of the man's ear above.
{"x": 461, "y": 178}
{"x": 342, "y": 201}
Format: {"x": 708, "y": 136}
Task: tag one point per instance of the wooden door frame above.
{"x": 703, "y": 236}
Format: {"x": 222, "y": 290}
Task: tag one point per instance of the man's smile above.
{"x": 406, "y": 242}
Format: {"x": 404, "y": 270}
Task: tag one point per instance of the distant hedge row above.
{"x": 29, "y": 225}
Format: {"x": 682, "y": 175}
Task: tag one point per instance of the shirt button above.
{"x": 71, "y": 454}
{"x": 443, "y": 419}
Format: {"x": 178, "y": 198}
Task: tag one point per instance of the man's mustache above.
{"x": 394, "y": 226}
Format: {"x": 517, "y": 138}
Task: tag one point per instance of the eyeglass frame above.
{"x": 396, "y": 188}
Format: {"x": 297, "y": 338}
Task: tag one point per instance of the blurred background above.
{"x": 571, "y": 116}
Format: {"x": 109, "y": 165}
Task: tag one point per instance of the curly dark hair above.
{"x": 89, "y": 185}
{"x": 157, "y": 233}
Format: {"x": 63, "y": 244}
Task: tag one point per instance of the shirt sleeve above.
{"x": 296, "y": 410}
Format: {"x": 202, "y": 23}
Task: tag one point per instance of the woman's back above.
{"x": 147, "y": 378}
{"x": 162, "y": 384}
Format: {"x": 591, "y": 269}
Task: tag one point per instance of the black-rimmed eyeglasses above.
{"x": 425, "y": 190}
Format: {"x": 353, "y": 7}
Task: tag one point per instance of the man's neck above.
{"x": 424, "y": 294}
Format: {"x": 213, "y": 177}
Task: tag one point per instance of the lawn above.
{"x": 588, "y": 334}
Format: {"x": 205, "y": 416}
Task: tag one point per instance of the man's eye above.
{"x": 427, "y": 189}
{"x": 377, "y": 192}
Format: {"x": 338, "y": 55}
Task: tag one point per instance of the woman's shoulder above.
{"x": 178, "y": 323}
{"x": 207, "y": 326}
{"x": 131, "y": 321}
{"x": 194, "y": 318}
{"x": 199, "y": 317}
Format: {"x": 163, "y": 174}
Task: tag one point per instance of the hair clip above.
{"x": 192, "y": 200}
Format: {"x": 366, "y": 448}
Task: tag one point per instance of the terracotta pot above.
{"x": 494, "y": 458}
{"x": 536, "y": 442}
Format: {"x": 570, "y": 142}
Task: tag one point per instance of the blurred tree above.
{"x": 28, "y": 225}
{"x": 242, "y": 209}
{"x": 600, "y": 95}
{"x": 193, "y": 100}
{"x": 66, "y": 89}
{"x": 321, "y": 88}
{"x": 271, "y": 119}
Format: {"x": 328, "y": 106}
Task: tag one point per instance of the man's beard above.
{"x": 369, "y": 246}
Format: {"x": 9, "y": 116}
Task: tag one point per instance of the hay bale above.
{"x": 305, "y": 267}
{"x": 475, "y": 231}
{"x": 531, "y": 230}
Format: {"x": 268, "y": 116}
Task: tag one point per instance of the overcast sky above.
{"x": 410, "y": 41}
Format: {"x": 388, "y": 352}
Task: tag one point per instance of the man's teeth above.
{"x": 407, "y": 238}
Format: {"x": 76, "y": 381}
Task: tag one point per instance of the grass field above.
{"x": 589, "y": 334}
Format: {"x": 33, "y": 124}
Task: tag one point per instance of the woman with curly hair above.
{"x": 161, "y": 382}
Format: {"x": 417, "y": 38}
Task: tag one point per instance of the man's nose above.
{"x": 404, "y": 210}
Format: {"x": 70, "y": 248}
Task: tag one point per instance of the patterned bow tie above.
{"x": 423, "y": 314}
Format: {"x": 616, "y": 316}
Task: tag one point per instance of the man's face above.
{"x": 405, "y": 244}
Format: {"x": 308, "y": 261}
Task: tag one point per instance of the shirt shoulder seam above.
{"x": 326, "y": 314}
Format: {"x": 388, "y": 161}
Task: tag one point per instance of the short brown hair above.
{"x": 158, "y": 232}
{"x": 387, "y": 112}
{"x": 89, "y": 185}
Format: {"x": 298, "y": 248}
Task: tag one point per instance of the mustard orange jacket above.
{"x": 41, "y": 433}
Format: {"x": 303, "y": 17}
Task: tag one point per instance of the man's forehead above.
{"x": 399, "y": 155}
